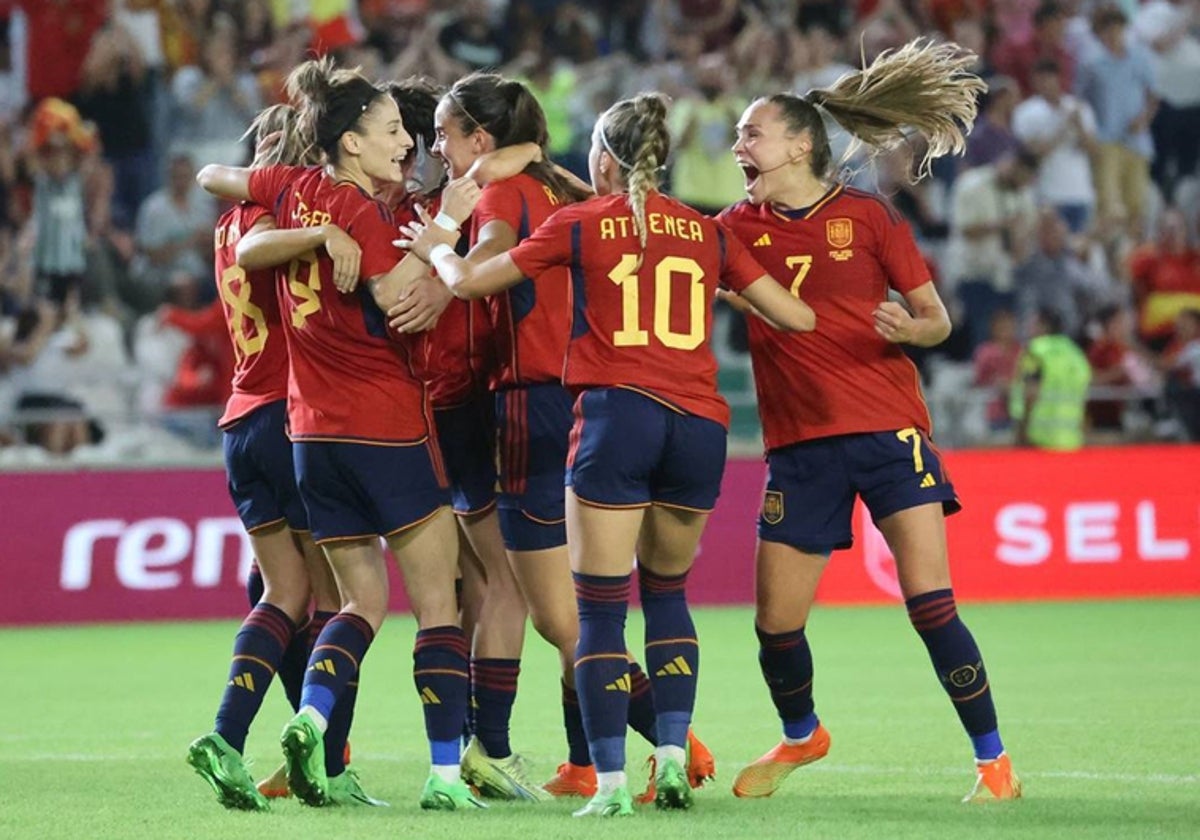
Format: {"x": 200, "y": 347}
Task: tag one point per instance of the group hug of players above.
{"x": 445, "y": 341}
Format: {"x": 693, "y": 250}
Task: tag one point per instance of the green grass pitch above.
{"x": 1098, "y": 706}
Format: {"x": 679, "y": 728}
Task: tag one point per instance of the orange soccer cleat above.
{"x": 275, "y": 786}
{"x": 701, "y": 767}
{"x": 764, "y": 776}
{"x": 572, "y": 780}
{"x": 994, "y": 781}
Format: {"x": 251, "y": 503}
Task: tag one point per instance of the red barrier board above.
{"x": 126, "y": 545}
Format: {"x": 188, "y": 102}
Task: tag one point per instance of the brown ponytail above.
{"x": 508, "y": 111}
{"x": 331, "y": 101}
{"x": 290, "y": 148}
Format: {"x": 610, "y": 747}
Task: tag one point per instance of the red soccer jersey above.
{"x": 348, "y": 380}
{"x": 251, "y": 311}
{"x": 529, "y": 321}
{"x": 642, "y": 320}
{"x": 840, "y": 256}
{"x": 456, "y": 348}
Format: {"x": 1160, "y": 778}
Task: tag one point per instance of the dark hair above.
{"x": 508, "y": 111}
{"x": 1026, "y": 158}
{"x": 1051, "y": 319}
{"x": 331, "y": 101}
{"x": 634, "y": 133}
{"x": 922, "y": 85}
{"x": 417, "y": 98}
{"x": 1106, "y": 15}
{"x": 1105, "y": 314}
{"x": 1047, "y": 12}
{"x": 1046, "y": 65}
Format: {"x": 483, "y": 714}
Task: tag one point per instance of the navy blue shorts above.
{"x": 354, "y": 490}
{"x": 467, "y": 437}
{"x": 258, "y": 462}
{"x": 630, "y": 450}
{"x": 811, "y": 486}
{"x": 534, "y": 424}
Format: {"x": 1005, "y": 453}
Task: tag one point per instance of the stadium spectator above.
{"x": 1061, "y": 131}
{"x": 1117, "y": 82}
{"x": 995, "y": 364}
{"x": 1118, "y": 361}
{"x": 1168, "y": 29}
{"x": 992, "y": 219}
{"x": 1055, "y": 278}
{"x": 702, "y": 174}
{"x": 215, "y": 99}
{"x": 471, "y": 39}
{"x": 1165, "y": 275}
{"x": 1021, "y": 49}
{"x": 1183, "y": 372}
{"x": 1049, "y": 392}
{"x": 58, "y": 36}
{"x": 173, "y": 233}
{"x": 116, "y": 95}
{"x": 992, "y": 136}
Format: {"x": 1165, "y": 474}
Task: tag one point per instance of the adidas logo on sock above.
{"x": 677, "y": 667}
{"x": 245, "y": 681}
{"x": 325, "y": 665}
{"x": 621, "y": 684}
{"x": 428, "y": 698}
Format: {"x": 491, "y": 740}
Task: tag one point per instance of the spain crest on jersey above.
{"x": 839, "y": 232}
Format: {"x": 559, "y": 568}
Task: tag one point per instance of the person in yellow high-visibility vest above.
{"x": 1050, "y": 390}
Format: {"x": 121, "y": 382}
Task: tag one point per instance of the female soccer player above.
{"x": 358, "y": 415}
{"x": 262, "y": 482}
{"x": 648, "y": 441}
{"x": 493, "y": 610}
{"x": 529, "y": 325}
{"x": 857, "y": 425}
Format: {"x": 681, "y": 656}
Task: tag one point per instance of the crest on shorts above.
{"x": 839, "y": 232}
{"x": 772, "y": 510}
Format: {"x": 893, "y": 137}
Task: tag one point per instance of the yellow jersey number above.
{"x": 304, "y": 292}
{"x": 246, "y": 317}
{"x": 801, "y": 265}
{"x": 631, "y": 333}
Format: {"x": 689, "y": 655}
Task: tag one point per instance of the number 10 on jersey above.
{"x": 669, "y": 273}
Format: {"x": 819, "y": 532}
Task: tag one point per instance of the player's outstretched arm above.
{"x": 265, "y": 246}
{"x": 232, "y": 182}
{"x": 778, "y": 307}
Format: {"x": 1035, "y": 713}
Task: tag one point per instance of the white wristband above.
{"x": 445, "y": 221}
{"x": 439, "y": 250}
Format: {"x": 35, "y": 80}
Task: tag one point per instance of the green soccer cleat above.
{"x": 440, "y": 795}
{"x": 499, "y": 778}
{"x": 346, "y": 789}
{"x": 221, "y": 766}
{"x": 616, "y": 804}
{"x": 671, "y": 787}
{"x": 304, "y": 754}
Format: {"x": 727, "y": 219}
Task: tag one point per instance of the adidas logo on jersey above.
{"x": 763, "y": 241}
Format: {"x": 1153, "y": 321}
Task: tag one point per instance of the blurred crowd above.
{"x": 1078, "y": 197}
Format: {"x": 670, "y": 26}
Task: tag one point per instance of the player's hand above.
{"x": 735, "y": 301}
{"x": 346, "y": 255}
{"x": 420, "y": 236}
{"x": 460, "y": 197}
{"x": 420, "y": 306}
{"x": 894, "y": 323}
